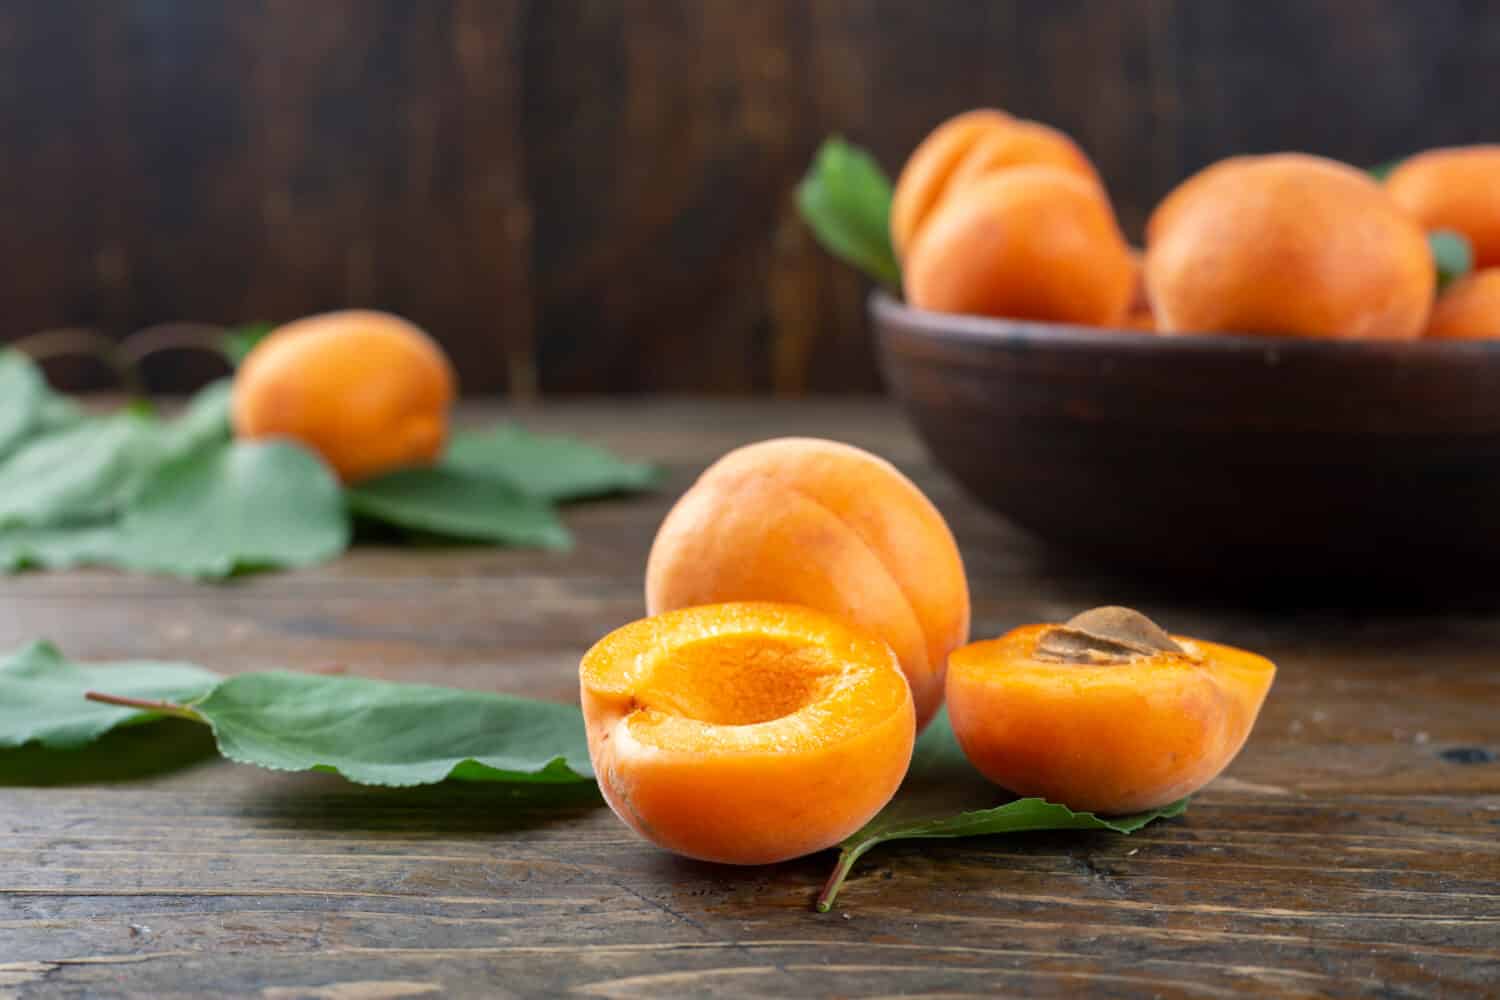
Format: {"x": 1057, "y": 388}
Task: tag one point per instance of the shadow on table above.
{"x": 133, "y": 753}
{"x": 328, "y": 802}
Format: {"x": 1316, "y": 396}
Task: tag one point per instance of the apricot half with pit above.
{"x": 1107, "y": 713}
{"x": 746, "y": 733}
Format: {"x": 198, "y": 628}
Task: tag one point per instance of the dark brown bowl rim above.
{"x": 982, "y": 331}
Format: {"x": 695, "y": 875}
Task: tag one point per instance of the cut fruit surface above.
{"x": 748, "y": 732}
{"x": 1111, "y": 738}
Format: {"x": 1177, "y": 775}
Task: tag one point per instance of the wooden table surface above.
{"x": 1353, "y": 848}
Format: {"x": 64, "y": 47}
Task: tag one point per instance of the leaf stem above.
{"x": 847, "y": 857}
{"x": 164, "y": 707}
{"x": 81, "y": 342}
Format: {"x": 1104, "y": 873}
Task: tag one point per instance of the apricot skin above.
{"x": 749, "y": 793}
{"x": 1456, "y": 188}
{"x": 1111, "y": 739}
{"x": 925, "y": 176}
{"x": 827, "y": 526}
{"x": 1468, "y": 309}
{"x": 1027, "y": 243}
{"x": 1287, "y": 244}
{"x": 366, "y": 390}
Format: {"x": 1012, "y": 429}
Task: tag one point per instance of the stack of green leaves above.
{"x": 383, "y": 733}
{"x": 182, "y": 497}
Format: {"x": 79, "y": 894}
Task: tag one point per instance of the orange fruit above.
{"x": 1468, "y": 309}
{"x": 1456, "y": 188}
{"x": 1287, "y": 244}
{"x": 368, "y": 391}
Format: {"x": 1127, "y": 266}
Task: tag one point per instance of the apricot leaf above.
{"x": 547, "y": 466}
{"x": 80, "y": 473}
{"x": 944, "y": 797}
{"x": 41, "y": 695}
{"x": 383, "y": 733}
{"x": 241, "y": 340}
{"x": 1452, "y": 254}
{"x": 454, "y": 503}
{"x": 233, "y": 506}
{"x": 369, "y": 731}
{"x": 22, "y": 393}
{"x": 846, "y": 200}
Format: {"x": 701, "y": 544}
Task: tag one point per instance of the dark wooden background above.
{"x": 595, "y": 196}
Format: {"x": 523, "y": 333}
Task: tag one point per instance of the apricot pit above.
{"x": 1107, "y": 713}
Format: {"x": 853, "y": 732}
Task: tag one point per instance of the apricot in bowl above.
{"x": 1106, "y": 713}
{"x": 746, "y": 733}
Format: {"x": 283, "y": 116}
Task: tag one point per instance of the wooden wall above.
{"x": 595, "y": 196}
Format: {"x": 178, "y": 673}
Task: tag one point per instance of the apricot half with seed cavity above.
{"x": 746, "y": 733}
{"x": 1107, "y": 713}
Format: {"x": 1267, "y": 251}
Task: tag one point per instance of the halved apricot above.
{"x": 1118, "y": 731}
{"x": 746, "y": 733}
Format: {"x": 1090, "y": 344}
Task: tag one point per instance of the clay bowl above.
{"x": 1230, "y": 458}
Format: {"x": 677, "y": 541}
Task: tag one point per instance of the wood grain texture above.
{"x": 595, "y": 195}
{"x": 1348, "y": 851}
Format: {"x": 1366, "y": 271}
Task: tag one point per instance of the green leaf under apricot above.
{"x": 551, "y": 467}
{"x": 944, "y": 797}
{"x": 241, "y": 340}
{"x": 384, "y": 733}
{"x": 1452, "y": 253}
{"x": 22, "y": 395}
{"x": 846, "y": 200}
{"x": 231, "y": 507}
{"x": 455, "y": 503}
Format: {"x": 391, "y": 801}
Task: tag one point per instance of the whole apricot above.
{"x": 1020, "y": 143}
{"x": 746, "y": 733}
{"x": 967, "y": 148}
{"x": 824, "y": 525}
{"x": 1107, "y": 713}
{"x": 1026, "y": 243}
{"x": 1456, "y": 188}
{"x": 1468, "y": 309}
{"x": 1287, "y": 244}
{"x": 367, "y": 391}
{"x": 925, "y": 176}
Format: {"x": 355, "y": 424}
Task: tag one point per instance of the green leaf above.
{"x": 547, "y": 466}
{"x": 1452, "y": 254}
{"x": 204, "y": 421}
{"x": 89, "y": 544}
{"x": 846, "y": 200}
{"x": 42, "y": 695}
{"x": 944, "y": 797}
{"x": 1383, "y": 170}
{"x": 81, "y": 473}
{"x": 454, "y": 503}
{"x": 231, "y": 507}
{"x": 383, "y": 733}
{"x": 241, "y": 340}
{"x": 22, "y": 395}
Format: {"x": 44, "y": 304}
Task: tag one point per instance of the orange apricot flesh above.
{"x": 746, "y": 733}
{"x": 1110, "y": 738}
{"x": 824, "y": 525}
